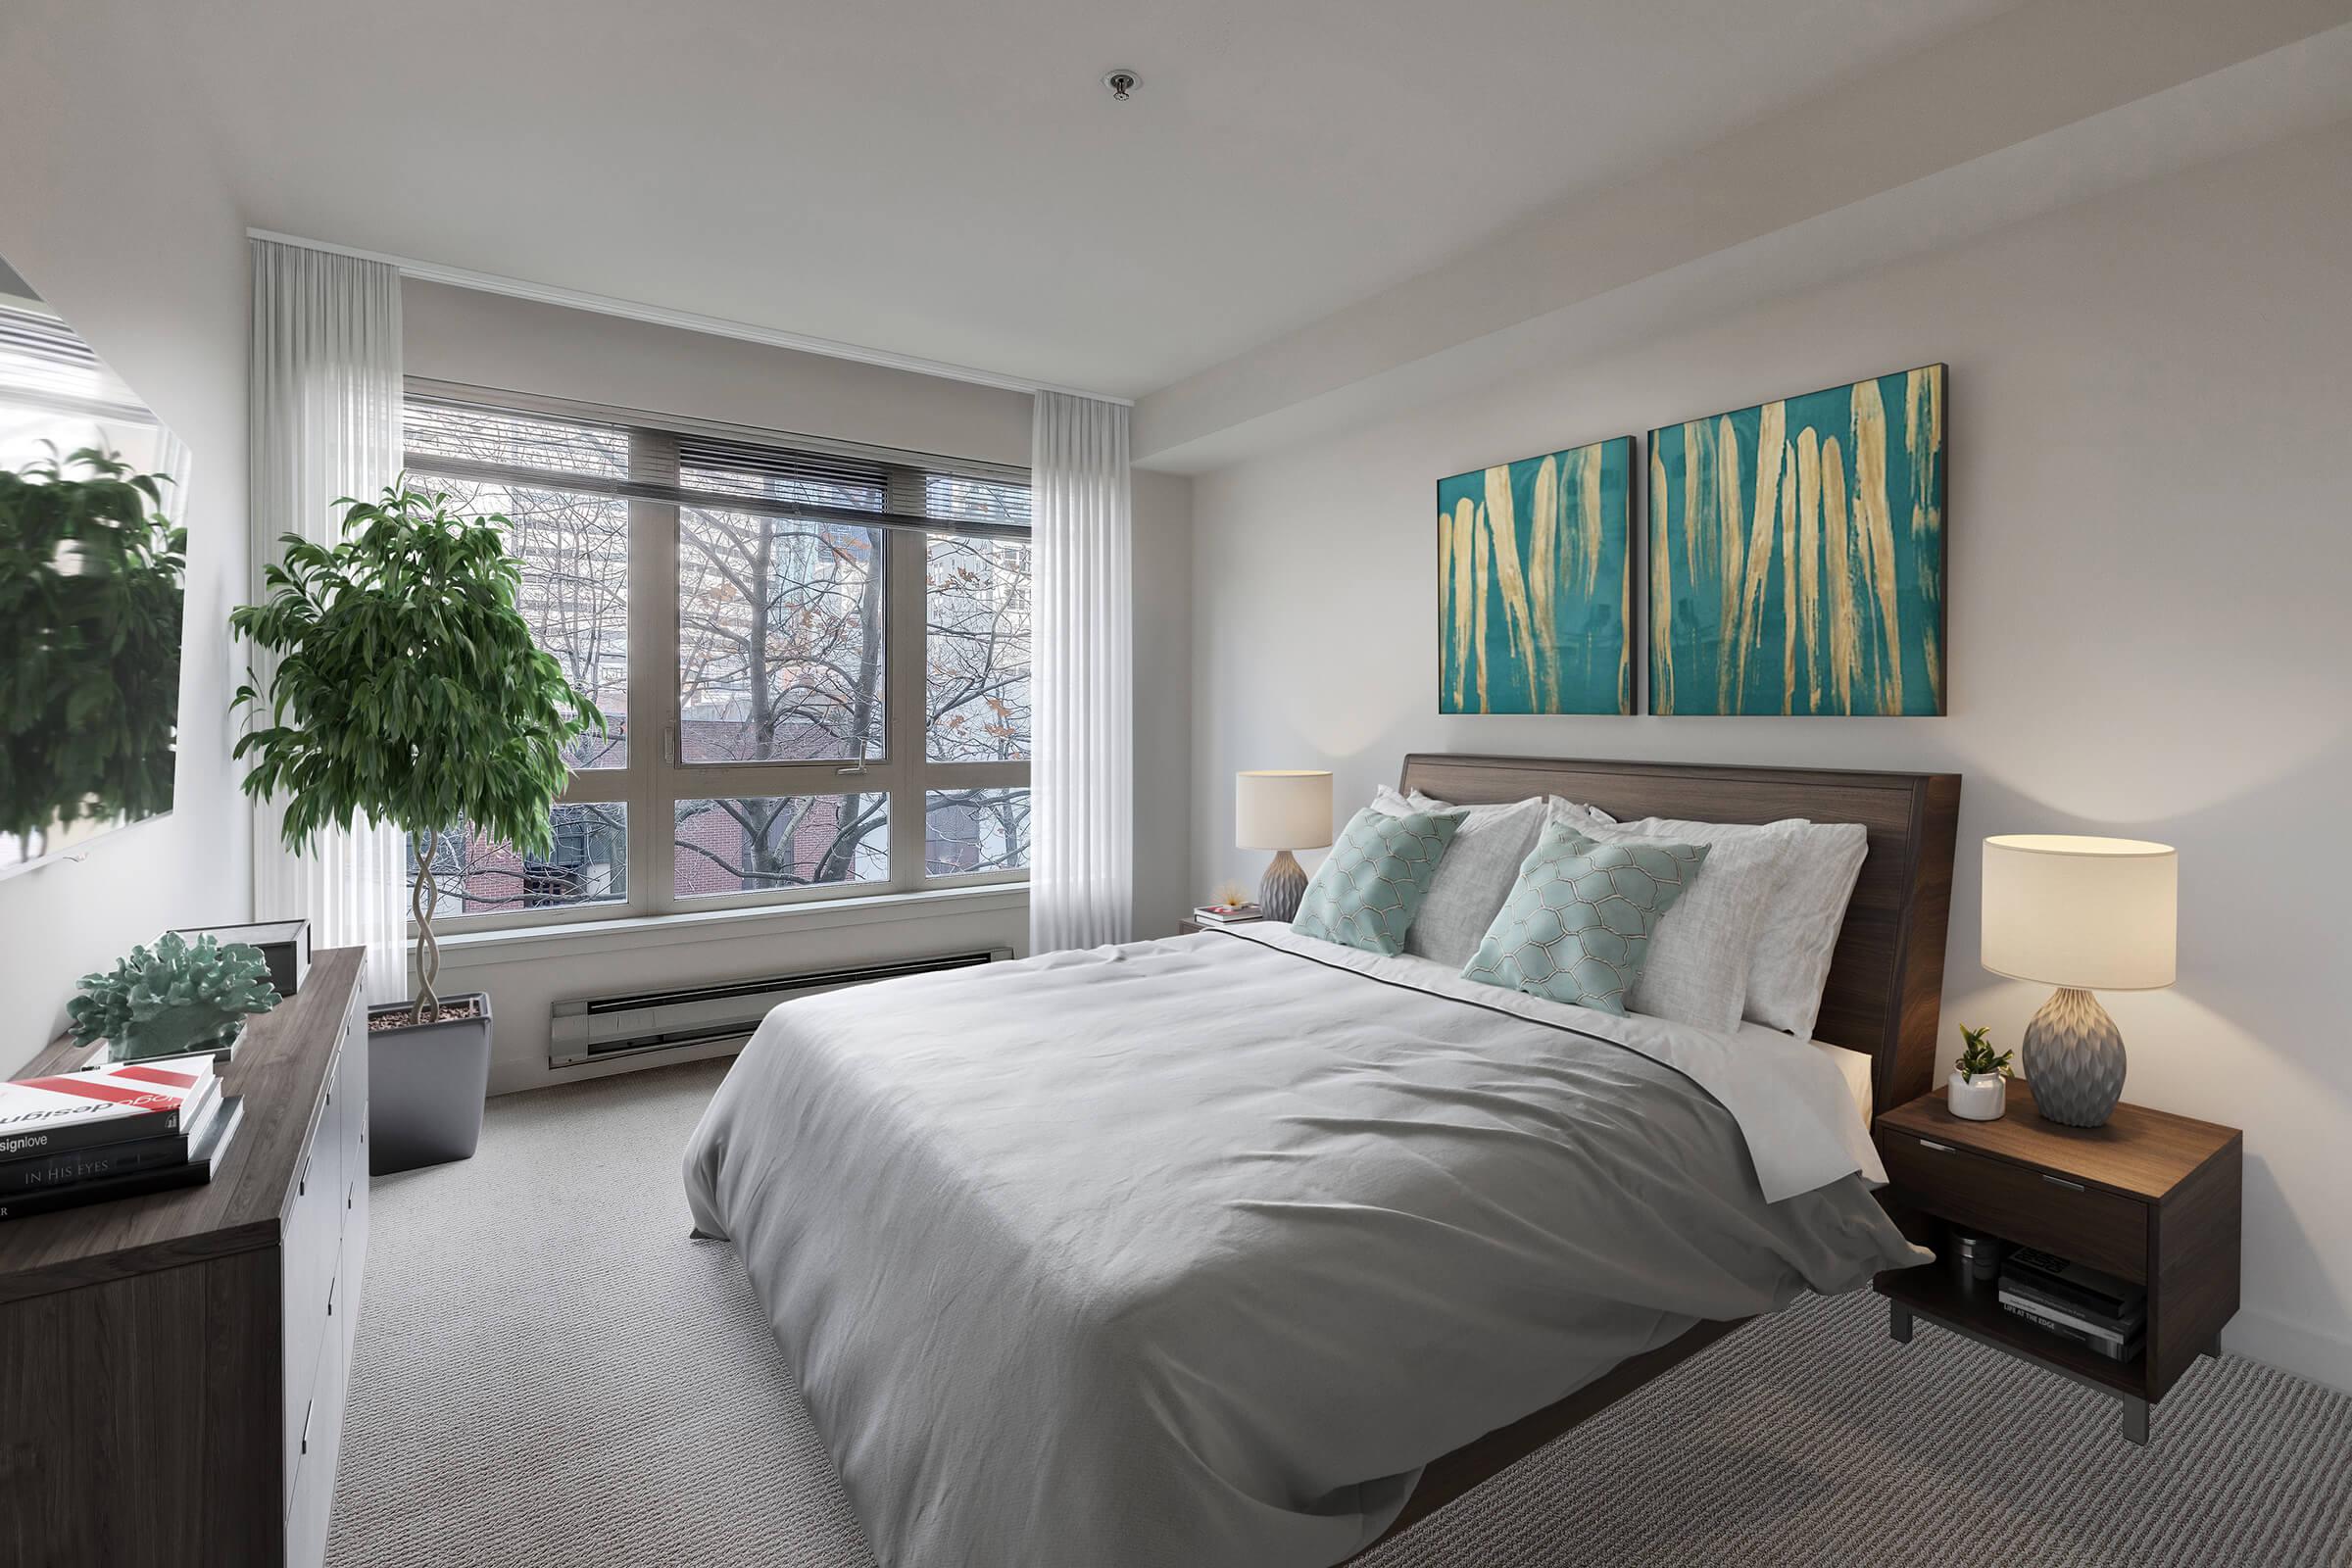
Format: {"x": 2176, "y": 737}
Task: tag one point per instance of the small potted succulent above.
{"x": 1980, "y": 1086}
{"x": 180, "y": 998}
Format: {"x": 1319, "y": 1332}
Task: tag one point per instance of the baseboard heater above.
{"x": 589, "y": 1029}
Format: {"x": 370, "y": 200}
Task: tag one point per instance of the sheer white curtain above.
{"x": 326, "y": 423}
{"x": 1082, "y": 859}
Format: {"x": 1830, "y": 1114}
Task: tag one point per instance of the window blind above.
{"x": 781, "y": 477}
{"x": 45, "y": 363}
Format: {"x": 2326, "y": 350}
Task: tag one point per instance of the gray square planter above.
{"x": 425, "y": 1087}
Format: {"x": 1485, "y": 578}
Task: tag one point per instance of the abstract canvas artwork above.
{"x": 1796, "y": 555}
{"x": 1535, "y": 585}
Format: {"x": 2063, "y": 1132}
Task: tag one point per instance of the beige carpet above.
{"x": 550, "y": 1375}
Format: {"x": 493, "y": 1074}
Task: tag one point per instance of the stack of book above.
{"x": 2095, "y": 1310}
{"x": 1227, "y": 913}
{"x": 110, "y": 1132}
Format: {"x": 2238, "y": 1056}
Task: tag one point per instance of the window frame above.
{"x": 654, "y": 776}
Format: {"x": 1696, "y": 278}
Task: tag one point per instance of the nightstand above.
{"x": 1184, "y": 928}
{"x": 2151, "y": 1197}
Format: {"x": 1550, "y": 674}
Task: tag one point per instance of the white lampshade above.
{"x": 2092, "y": 914}
{"x": 1287, "y": 808}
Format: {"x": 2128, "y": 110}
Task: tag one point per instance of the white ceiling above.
{"x": 1916, "y": 155}
{"x": 951, "y": 181}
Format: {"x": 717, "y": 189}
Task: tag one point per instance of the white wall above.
{"x": 2151, "y": 553}
{"x": 489, "y": 340}
{"x": 493, "y": 340}
{"x": 127, "y": 230}
{"x": 1163, "y": 702}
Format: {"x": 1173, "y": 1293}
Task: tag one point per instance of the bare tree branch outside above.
{"x": 976, "y": 695}
{"x": 781, "y": 659}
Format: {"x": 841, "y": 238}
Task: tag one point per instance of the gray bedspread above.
{"x": 1191, "y": 1254}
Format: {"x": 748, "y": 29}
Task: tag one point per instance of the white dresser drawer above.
{"x": 353, "y": 1097}
{"x": 313, "y": 1447}
{"x": 312, "y": 1252}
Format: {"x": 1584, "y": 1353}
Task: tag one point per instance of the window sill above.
{"x": 470, "y": 949}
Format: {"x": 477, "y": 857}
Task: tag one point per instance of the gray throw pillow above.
{"x": 1702, "y": 953}
{"x": 1788, "y": 964}
{"x": 1476, "y": 875}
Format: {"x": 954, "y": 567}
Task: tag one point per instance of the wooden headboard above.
{"x": 1885, "y": 982}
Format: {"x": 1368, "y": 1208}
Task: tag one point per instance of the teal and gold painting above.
{"x": 1535, "y": 585}
{"x": 1796, "y": 555}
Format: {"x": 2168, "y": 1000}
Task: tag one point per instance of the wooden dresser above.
{"x": 172, "y": 1367}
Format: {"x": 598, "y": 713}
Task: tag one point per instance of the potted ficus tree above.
{"x": 406, "y": 690}
{"x": 1980, "y": 1086}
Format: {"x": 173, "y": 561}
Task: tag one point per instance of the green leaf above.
{"x": 407, "y": 686}
{"x": 89, "y": 640}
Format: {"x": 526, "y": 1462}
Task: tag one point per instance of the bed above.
{"x": 1241, "y": 1248}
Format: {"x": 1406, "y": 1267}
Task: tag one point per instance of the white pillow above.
{"x": 1794, "y": 945}
{"x": 1388, "y": 798}
{"x": 1480, "y": 869}
{"x": 1562, "y": 802}
{"x": 1701, "y": 951}
{"x": 1789, "y": 965}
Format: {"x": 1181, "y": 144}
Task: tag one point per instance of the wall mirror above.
{"x": 92, "y": 563}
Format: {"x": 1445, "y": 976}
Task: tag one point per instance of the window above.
{"x": 814, "y": 660}
{"x": 780, "y": 639}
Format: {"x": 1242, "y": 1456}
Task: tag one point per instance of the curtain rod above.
{"x": 683, "y": 320}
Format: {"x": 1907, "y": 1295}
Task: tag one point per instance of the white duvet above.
{"x": 1191, "y": 1254}
{"x": 1793, "y": 1102}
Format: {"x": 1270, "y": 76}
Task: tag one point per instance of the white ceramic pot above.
{"x": 1978, "y": 1096}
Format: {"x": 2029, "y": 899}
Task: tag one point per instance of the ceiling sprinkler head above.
{"x": 1121, "y": 82}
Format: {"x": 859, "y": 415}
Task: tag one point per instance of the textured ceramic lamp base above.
{"x": 1281, "y": 889}
{"x": 2075, "y": 1059}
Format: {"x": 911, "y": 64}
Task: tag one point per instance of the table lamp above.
{"x": 2083, "y": 914}
{"x": 1282, "y": 810}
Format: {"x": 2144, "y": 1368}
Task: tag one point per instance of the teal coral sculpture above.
{"x": 177, "y": 999}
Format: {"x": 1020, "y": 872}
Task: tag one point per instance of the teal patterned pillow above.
{"x": 1370, "y": 886}
{"x": 1577, "y": 926}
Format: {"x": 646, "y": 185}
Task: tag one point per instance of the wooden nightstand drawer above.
{"x": 2034, "y": 1207}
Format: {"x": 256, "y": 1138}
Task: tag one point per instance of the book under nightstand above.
{"x": 2150, "y": 1198}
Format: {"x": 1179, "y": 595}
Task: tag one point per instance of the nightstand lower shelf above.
{"x": 1928, "y": 1292}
